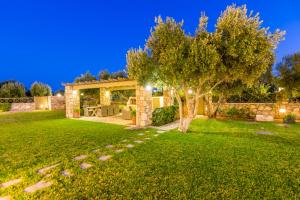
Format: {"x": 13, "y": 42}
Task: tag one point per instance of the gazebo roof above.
{"x": 120, "y": 82}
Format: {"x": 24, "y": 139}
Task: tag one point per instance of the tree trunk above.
{"x": 178, "y": 98}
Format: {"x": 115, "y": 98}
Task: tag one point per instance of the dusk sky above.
{"x": 54, "y": 41}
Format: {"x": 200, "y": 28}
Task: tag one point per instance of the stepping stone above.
{"x": 66, "y": 173}
{"x": 81, "y": 157}
{"x": 38, "y": 186}
{"x": 85, "y": 165}
{"x": 44, "y": 170}
{"x": 147, "y": 138}
{"x": 109, "y": 146}
{"x": 141, "y": 134}
{"x": 138, "y": 141}
{"x": 104, "y": 158}
{"x": 160, "y": 131}
{"x": 5, "y": 198}
{"x": 155, "y": 135}
{"x": 119, "y": 150}
{"x": 10, "y": 183}
{"x": 264, "y": 133}
{"x": 129, "y": 145}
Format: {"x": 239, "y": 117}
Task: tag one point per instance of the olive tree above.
{"x": 39, "y": 89}
{"x": 194, "y": 65}
{"x": 12, "y": 89}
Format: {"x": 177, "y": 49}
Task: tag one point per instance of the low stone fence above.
{"x": 22, "y": 107}
{"x": 38, "y": 103}
{"x": 277, "y": 110}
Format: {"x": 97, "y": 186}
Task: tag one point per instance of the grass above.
{"x": 215, "y": 160}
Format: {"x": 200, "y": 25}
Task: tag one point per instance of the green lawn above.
{"x": 215, "y": 160}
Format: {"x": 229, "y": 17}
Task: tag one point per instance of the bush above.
{"x": 238, "y": 113}
{"x": 40, "y": 89}
{"x": 164, "y": 115}
{"x": 5, "y": 107}
{"x": 289, "y": 119}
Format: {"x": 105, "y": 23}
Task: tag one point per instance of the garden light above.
{"x": 190, "y": 91}
{"x": 81, "y": 94}
{"x": 74, "y": 92}
{"x": 58, "y": 95}
{"x": 148, "y": 88}
{"x": 282, "y": 110}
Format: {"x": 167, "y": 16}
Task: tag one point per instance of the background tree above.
{"x": 39, "y": 89}
{"x": 87, "y": 76}
{"x": 289, "y": 75}
{"x": 11, "y": 89}
{"x": 193, "y": 66}
{"x": 104, "y": 75}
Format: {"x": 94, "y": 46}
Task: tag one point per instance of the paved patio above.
{"x": 110, "y": 119}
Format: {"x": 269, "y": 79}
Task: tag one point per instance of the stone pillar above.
{"x": 143, "y": 106}
{"x": 105, "y": 96}
{"x": 168, "y": 97}
{"x": 72, "y": 101}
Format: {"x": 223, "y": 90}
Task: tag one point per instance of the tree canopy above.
{"x": 239, "y": 50}
{"x": 289, "y": 75}
{"x": 12, "y": 89}
{"x": 38, "y": 89}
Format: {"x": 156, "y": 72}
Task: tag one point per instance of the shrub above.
{"x": 289, "y": 119}
{"x": 12, "y": 90}
{"x": 238, "y": 113}
{"x": 4, "y": 107}
{"x": 40, "y": 89}
{"x": 165, "y": 115}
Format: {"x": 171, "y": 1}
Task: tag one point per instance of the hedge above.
{"x": 165, "y": 115}
{"x": 4, "y": 107}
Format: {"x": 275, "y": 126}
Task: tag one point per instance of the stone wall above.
{"x": 143, "y": 106}
{"x": 58, "y": 103}
{"x": 272, "y": 109}
{"x": 105, "y": 96}
{"x": 72, "y": 101}
{"x": 22, "y": 107}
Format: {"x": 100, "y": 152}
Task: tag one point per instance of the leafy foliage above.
{"x": 4, "y": 107}
{"x": 165, "y": 115}
{"x": 39, "y": 89}
{"x": 106, "y": 75}
{"x": 239, "y": 50}
{"x": 289, "y": 119}
{"x": 237, "y": 113}
{"x": 87, "y": 76}
{"x": 289, "y": 75}
{"x": 12, "y": 89}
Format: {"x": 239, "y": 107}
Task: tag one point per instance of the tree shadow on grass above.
{"x": 274, "y": 138}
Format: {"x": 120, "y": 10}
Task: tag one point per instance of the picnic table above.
{"x": 92, "y": 111}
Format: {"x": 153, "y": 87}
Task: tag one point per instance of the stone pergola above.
{"x": 143, "y": 97}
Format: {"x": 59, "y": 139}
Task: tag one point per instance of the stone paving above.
{"x": 38, "y": 186}
{"x": 66, "y": 173}
{"x": 5, "y": 198}
{"x": 104, "y": 158}
{"x": 42, "y": 184}
{"x": 81, "y": 157}
{"x": 10, "y": 183}
{"x": 44, "y": 170}
{"x": 85, "y": 165}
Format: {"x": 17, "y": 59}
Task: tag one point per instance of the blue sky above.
{"x": 54, "y": 41}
